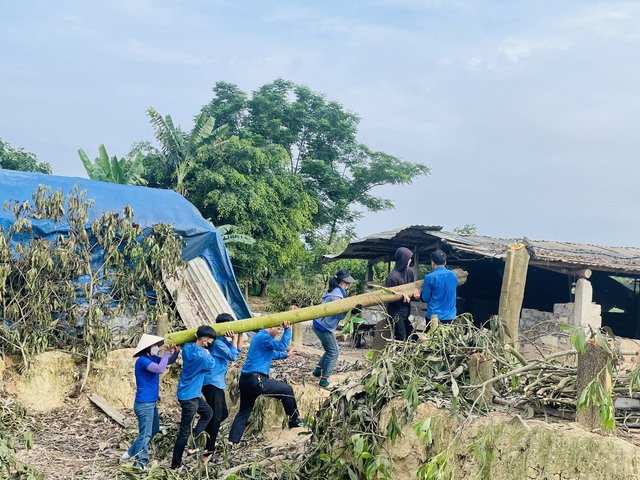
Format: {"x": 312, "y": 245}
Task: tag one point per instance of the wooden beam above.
{"x": 512, "y": 292}
{"x": 111, "y": 412}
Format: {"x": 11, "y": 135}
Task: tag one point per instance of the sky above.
{"x": 526, "y": 112}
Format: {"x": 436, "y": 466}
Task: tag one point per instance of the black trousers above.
{"x": 189, "y": 410}
{"x": 402, "y": 328}
{"x": 215, "y": 398}
{"x": 252, "y": 385}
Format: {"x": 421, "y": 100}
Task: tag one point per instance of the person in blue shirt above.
{"x": 325, "y": 327}
{"x": 255, "y": 381}
{"x": 223, "y": 350}
{"x": 439, "y": 289}
{"x": 148, "y": 368}
{"x": 196, "y": 362}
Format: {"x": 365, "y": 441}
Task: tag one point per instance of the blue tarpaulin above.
{"x": 150, "y": 206}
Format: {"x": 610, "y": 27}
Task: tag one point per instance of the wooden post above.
{"x": 297, "y": 331}
{"x": 591, "y": 364}
{"x": 512, "y": 293}
{"x": 480, "y": 370}
{"x": 162, "y": 325}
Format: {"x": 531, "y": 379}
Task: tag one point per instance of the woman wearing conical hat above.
{"x": 148, "y": 368}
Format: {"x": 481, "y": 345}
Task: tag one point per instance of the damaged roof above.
{"x": 546, "y": 254}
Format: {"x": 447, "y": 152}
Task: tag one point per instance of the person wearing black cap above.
{"x": 325, "y": 327}
{"x": 399, "y": 311}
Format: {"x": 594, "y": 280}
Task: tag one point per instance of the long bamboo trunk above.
{"x": 376, "y": 297}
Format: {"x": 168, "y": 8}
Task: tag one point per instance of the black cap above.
{"x": 344, "y": 276}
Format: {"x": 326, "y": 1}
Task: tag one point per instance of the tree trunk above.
{"x": 379, "y": 296}
{"x": 480, "y": 370}
{"x": 376, "y": 297}
{"x": 512, "y": 292}
{"x": 591, "y": 364}
{"x": 162, "y": 325}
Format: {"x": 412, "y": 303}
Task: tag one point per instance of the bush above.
{"x": 298, "y": 293}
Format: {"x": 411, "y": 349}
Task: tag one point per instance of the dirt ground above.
{"x": 78, "y": 441}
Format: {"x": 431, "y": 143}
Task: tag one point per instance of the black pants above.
{"x": 215, "y": 398}
{"x": 252, "y": 385}
{"x": 402, "y": 328}
{"x": 189, "y": 410}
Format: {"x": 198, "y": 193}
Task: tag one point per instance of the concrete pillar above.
{"x": 583, "y": 311}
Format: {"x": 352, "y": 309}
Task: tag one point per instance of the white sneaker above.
{"x": 125, "y": 456}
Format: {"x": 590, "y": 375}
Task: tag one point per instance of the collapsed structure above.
{"x": 585, "y": 285}
{"x": 203, "y": 245}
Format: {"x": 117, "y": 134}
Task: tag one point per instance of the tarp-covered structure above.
{"x": 150, "y": 206}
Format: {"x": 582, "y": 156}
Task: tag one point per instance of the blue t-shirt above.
{"x": 196, "y": 361}
{"x": 263, "y": 349}
{"x": 147, "y": 383}
{"x": 439, "y": 292}
{"x": 223, "y": 352}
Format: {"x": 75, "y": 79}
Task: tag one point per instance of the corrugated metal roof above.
{"x": 197, "y": 295}
{"x": 547, "y": 254}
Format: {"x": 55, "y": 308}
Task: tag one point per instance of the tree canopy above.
{"x": 179, "y": 148}
{"x": 250, "y": 187}
{"x": 18, "y": 159}
{"x": 337, "y": 171}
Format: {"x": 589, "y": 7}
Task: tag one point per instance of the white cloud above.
{"x": 134, "y": 49}
{"x": 516, "y": 49}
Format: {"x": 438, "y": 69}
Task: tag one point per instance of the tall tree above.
{"x": 179, "y": 148}
{"x": 17, "y": 159}
{"x": 114, "y": 170}
{"x": 250, "y": 187}
{"x": 319, "y": 135}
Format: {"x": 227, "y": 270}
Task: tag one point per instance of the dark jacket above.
{"x": 400, "y": 275}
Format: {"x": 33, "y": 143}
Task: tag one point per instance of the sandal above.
{"x": 181, "y": 469}
{"x": 208, "y": 456}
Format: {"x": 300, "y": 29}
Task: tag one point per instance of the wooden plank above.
{"x": 111, "y": 412}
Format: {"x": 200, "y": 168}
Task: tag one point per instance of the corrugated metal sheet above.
{"x": 547, "y": 254}
{"x": 197, "y": 295}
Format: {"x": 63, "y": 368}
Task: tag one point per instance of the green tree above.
{"x": 17, "y": 159}
{"x": 249, "y": 186}
{"x": 319, "y": 135}
{"x": 179, "y": 149}
{"x": 123, "y": 171}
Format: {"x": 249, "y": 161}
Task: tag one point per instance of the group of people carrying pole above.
{"x": 202, "y": 383}
{"x": 201, "y": 388}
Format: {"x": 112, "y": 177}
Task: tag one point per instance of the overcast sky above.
{"x": 527, "y": 112}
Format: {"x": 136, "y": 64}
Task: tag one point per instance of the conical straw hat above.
{"x": 147, "y": 341}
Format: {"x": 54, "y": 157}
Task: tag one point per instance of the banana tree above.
{"x": 229, "y": 235}
{"x": 179, "y": 148}
{"x": 113, "y": 170}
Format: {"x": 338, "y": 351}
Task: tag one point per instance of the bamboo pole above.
{"x": 512, "y": 292}
{"x": 377, "y": 297}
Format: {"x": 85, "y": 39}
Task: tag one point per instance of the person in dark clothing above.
{"x": 255, "y": 381}
{"x": 399, "y": 311}
{"x": 224, "y": 349}
{"x": 196, "y": 362}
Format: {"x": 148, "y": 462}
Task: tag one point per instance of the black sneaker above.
{"x": 297, "y": 423}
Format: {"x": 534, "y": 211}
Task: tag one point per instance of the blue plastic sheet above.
{"x": 150, "y": 206}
